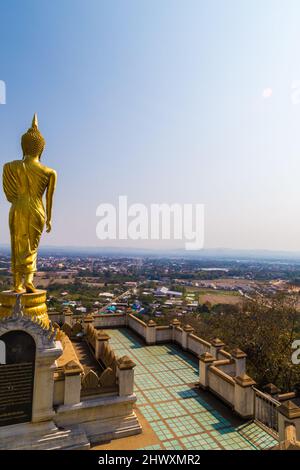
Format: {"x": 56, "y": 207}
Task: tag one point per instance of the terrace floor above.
{"x": 174, "y": 413}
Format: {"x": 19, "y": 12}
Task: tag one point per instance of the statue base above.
{"x": 34, "y": 304}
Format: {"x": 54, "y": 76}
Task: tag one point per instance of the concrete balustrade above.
{"x": 101, "y": 339}
{"x": 111, "y": 320}
{"x": 221, "y": 384}
{"x": 88, "y": 320}
{"x": 125, "y": 375}
{"x": 186, "y": 331}
{"x": 216, "y": 346}
{"x": 151, "y": 332}
{"x": 205, "y": 360}
{"x": 163, "y": 334}
{"x": 244, "y": 395}
{"x": 240, "y": 361}
{"x": 288, "y": 414}
{"x": 68, "y": 316}
{"x": 174, "y": 324}
{"x": 72, "y": 372}
{"x": 221, "y": 372}
{"x": 137, "y": 325}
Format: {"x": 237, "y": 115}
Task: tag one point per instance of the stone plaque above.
{"x": 16, "y": 378}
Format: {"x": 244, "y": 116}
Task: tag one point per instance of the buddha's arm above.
{"x": 49, "y": 199}
{"x": 9, "y": 183}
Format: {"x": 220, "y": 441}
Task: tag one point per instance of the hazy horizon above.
{"x": 212, "y": 254}
{"x": 176, "y": 102}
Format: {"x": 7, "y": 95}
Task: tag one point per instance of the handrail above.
{"x": 199, "y": 340}
{"x": 266, "y": 397}
{"x": 222, "y": 374}
{"x": 137, "y": 319}
{"x": 265, "y": 411}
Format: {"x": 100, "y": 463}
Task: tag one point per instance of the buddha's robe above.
{"x": 24, "y": 183}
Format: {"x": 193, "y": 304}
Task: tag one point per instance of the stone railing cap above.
{"x": 244, "y": 380}
{"x": 175, "y": 321}
{"x": 238, "y": 353}
{"x": 125, "y": 363}
{"x": 102, "y": 335}
{"x": 271, "y": 389}
{"x": 188, "y": 328}
{"x": 72, "y": 368}
{"x": 67, "y": 310}
{"x": 217, "y": 342}
{"x": 290, "y": 409}
{"x": 151, "y": 323}
{"x": 206, "y": 357}
{"x": 88, "y": 318}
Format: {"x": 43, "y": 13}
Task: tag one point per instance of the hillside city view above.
{"x": 209, "y": 294}
{"x": 150, "y": 233}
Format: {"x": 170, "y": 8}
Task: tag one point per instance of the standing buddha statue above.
{"x": 25, "y": 182}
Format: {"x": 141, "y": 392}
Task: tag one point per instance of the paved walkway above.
{"x": 180, "y": 415}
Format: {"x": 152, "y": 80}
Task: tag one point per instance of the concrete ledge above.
{"x": 43, "y": 436}
{"x": 113, "y": 428}
{"x": 96, "y": 402}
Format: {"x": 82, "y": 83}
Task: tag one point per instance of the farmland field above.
{"x": 216, "y": 296}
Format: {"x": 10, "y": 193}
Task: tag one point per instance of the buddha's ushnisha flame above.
{"x": 32, "y": 141}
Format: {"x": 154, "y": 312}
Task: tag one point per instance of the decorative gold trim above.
{"x": 34, "y": 305}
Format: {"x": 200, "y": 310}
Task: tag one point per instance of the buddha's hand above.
{"x": 48, "y": 226}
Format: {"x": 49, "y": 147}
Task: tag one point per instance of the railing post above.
{"x": 205, "y": 360}
{"x": 125, "y": 374}
{"x": 288, "y": 413}
{"x": 272, "y": 390}
{"x": 88, "y": 320}
{"x": 68, "y": 316}
{"x": 101, "y": 339}
{"x": 240, "y": 361}
{"x": 243, "y": 396}
{"x": 151, "y": 332}
{"x": 215, "y": 347}
{"x": 174, "y": 323}
{"x": 72, "y": 372}
{"x": 187, "y": 329}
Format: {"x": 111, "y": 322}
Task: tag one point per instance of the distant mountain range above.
{"x": 216, "y": 253}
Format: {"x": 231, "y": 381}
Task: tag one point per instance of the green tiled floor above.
{"x": 200, "y": 442}
{"x": 170, "y": 409}
{"x": 182, "y": 416}
{"x": 157, "y": 396}
{"x": 184, "y": 425}
{"x": 173, "y": 444}
{"x": 183, "y": 391}
{"x": 149, "y": 413}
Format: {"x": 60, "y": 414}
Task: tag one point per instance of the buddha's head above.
{"x": 33, "y": 142}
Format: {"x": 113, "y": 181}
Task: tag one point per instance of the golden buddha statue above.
{"x": 25, "y": 182}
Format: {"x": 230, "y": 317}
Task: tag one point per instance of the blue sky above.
{"x": 161, "y": 101}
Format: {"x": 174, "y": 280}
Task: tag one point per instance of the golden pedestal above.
{"x": 33, "y": 304}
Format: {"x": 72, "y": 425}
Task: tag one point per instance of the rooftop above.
{"x": 175, "y": 414}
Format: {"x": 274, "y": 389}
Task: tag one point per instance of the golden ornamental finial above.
{"x": 35, "y": 121}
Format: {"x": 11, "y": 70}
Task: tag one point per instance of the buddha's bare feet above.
{"x": 30, "y": 288}
{"x": 18, "y": 289}
{"x": 18, "y": 284}
{"x": 28, "y": 284}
